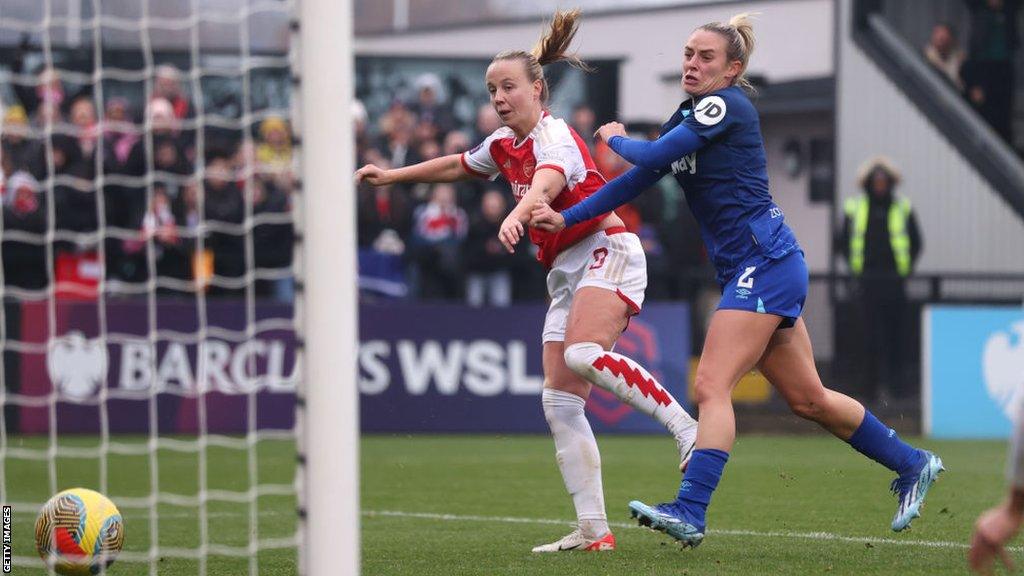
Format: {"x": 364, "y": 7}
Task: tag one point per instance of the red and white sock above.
{"x": 635, "y": 386}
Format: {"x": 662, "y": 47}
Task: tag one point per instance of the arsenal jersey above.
{"x": 552, "y": 144}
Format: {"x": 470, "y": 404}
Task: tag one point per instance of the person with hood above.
{"x": 881, "y": 242}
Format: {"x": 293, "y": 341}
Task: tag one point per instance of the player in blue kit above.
{"x": 712, "y": 145}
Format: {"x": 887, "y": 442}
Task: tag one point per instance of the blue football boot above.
{"x": 911, "y": 489}
{"x": 667, "y": 518}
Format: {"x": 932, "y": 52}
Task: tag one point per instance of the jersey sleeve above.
{"x": 557, "y": 149}
{"x": 678, "y": 142}
{"x": 714, "y": 116}
{"x": 623, "y": 189}
{"x": 479, "y": 162}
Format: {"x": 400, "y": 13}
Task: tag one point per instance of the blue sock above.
{"x": 880, "y": 443}
{"x": 702, "y": 476}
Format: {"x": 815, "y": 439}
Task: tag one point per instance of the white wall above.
{"x": 650, "y": 44}
{"x": 967, "y": 227}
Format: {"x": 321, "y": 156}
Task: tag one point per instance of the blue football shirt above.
{"x": 726, "y": 182}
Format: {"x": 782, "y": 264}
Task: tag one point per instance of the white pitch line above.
{"x": 826, "y": 536}
{"x": 821, "y": 536}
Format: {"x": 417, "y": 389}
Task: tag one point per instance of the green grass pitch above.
{"x": 475, "y": 505}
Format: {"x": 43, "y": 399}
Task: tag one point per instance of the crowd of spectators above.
{"x": 439, "y": 242}
{"x": 134, "y": 197}
{"x": 984, "y": 72}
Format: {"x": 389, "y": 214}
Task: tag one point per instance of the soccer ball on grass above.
{"x": 79, "y": 532}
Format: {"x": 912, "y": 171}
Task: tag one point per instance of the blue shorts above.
{"x": 768, "y": 286}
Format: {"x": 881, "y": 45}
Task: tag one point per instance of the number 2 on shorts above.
{"x": 746, "y": 280}
{"x": 599, "y": 255}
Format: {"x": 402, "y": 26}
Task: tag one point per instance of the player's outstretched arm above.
{"x": 444, "y": 169}
{"x": 612, "y": 195}
{"x": 673, "y": 145}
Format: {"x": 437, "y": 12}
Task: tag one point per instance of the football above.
{"x": 79, "y": 532}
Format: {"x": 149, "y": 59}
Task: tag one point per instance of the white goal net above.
{"x": 155, "y": 178}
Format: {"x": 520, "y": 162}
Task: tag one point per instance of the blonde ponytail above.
{"x": 553, "y": 46}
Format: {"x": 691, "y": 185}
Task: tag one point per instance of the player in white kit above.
{"x": 597, "y": 270}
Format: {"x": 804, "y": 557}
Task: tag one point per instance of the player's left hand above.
{"x": 610, "y": 129}
{"x": 510, "y": 232}
{"x": 544, "y": 217}
{"x": 993, "y": 530}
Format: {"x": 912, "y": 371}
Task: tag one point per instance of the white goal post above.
{"x": 328, "y": 300}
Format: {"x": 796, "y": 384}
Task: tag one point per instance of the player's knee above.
{"x": 548, "y": 403}
{"x": 809, "y": 407}
{"x": 560, "y": 405}
{"x": 580, "y": 356}
{"x": 708, "y": 389}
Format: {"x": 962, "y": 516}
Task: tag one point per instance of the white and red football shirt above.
{"x": 552, "y": 144}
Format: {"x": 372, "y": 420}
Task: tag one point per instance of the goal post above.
{"x": 329, "y": 447}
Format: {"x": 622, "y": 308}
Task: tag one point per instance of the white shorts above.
{"x": 613, "y": 261}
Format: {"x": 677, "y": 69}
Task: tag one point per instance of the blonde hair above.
{"x": 553, "y": 46}
{"x": 739, "y": 42}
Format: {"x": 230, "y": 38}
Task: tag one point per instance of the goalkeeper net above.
{"x": 151, "y": 208}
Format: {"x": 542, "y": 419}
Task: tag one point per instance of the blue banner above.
{"x": 450, "y": 368}
{"x": 973, "y": 370}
